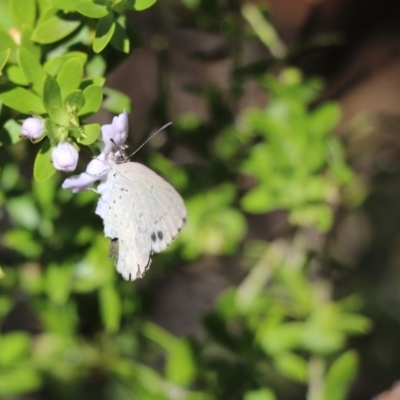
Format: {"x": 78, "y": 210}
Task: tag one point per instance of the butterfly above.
{"x": 143, "y": 215}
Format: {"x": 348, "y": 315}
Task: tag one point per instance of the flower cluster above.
{"x": 113, "y": 136}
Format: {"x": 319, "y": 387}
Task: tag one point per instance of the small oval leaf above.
{"x": 21, "y": 100}
{"x": 53, "y": 66}
{"x": 70, "y": 76}
{"x": 31, "y": 67}
{"x": 91, "y": 134}
{"x": 59, "y": 116}
{"x": 91, "y": 9}
{"x": 51, "y": 93}
{"x": 93, "y": 99}
{"x": 23, "y": 13}
{"x": 53, "y": 29}
{"x": 141, "y": 5}
{"x": 75, "y": 100}
{"x": 104, "y": 32}
{"x": 43, "y": 168}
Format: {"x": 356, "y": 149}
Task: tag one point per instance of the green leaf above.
{"x": 27, "y": 43}
{"x": 110, "y": 307}
{"x": 141, "y": 5}
{"x": 91, "y": 9}
{"x": 16, "y": 75}
{"x": 93, "y": 99}
{"x": 59, "y": 115}
{"x": 23, "y": 13}
{"x": 32, "y": 68}
{"x": 91, "y": 134}
{"x": 14, "y": 347}
{"x": 53, "y": 29}
{"x": 70, "y": 76}
{"x": 340, "y": 375}
{"x": 51, "y": 93}
{"x": 74, "y": 101}
{"x": 104, "y": 32}
{"x": 292, "y": 366}
{"x": 120, "y": 39}
{"x": 95, "y": 80}
{"x": 280, "y": 338}
{"x": 4, "y": 55}
{"x": 24, "y": 212}
{"x": 96, "y": 67}
{"x": 19, "y": 381}
{"x": 261, "y": 394}
{"x": 21, "y": 100}
{"x": 64, "y": 5}
{"x": 43, "y": 168}
{"x": 10, "y": 133}
{"x": 22, "y": 242}
{"x": 324, "y": 119}
{"x": 51, "y": 129}
{"x": 116, "y": 101}
{"x": 58, "y": 283}
{"x": 180, "y": 367}
{"x": 54, "y": 65}
{"x": 6, "y": 41}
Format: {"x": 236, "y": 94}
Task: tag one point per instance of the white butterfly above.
{"x": 143, "y": 214}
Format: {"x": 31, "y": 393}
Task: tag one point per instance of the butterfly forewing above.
{"x": 144, "y": 213}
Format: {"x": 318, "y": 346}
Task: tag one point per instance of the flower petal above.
{"x": 114, "y": 134}
{"x": 77, "y": 183}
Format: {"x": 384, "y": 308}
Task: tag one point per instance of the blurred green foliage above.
{"x": 84, "y": 332}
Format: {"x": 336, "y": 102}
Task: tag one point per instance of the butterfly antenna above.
{"x": 151, "y": 137}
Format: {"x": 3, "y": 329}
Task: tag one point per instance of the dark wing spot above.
{"x": 153, "y": 237}
{"x": 160, "y": 235}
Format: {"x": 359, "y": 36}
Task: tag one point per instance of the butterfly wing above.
{"x": 144, "y": 213}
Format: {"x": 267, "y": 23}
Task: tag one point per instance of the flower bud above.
{"x": 64, "y": 157}
{"x": 33, "y": 128}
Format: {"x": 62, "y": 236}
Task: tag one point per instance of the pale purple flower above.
{"x": 115, "y": 134}
{"x": 64, "y": 157}
{"x": 33, "y": 128}
{"x": 96, "y": 170}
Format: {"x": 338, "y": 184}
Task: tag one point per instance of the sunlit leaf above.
{"x": 54, "y": 29}
{"x": 91, "y": 9}
{"x": 110, "y": 307}
{"x": 23, "y": 12}
{"x": 32, "y": 68}
{"x": 70, "y": 75}
{"x": 21, "y": 99}
{"x": 93, "y": 100}
{"x": 104, "y": 32}
{"x": 340, "y": 375}
{"x": 91, "y": 134}
{"x": 141, "y": 5}
{"x": 43, "y": 168}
